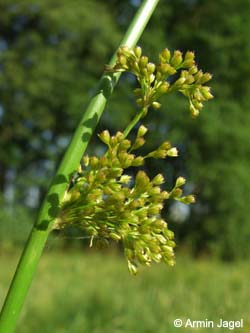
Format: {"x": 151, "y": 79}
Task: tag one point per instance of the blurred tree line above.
{"x": 52, "y": 53}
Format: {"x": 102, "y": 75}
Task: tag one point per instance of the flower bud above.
{"x": 198, "y": 95}
{"x": 176, "y": 59}
{"x": 171, "y": 262}
{"x": 138, "y": 51}
{"x": 173, "y": 152}
{"x": 150, "y": 67}
{"x": 180, "y": 181}
{"x": 165, "y": 145}
{"x": 188, "y": 60}
{"x": 140, "y": 102}
{"x": 127, "y": 160}
{"x": 198, "y": 75}
{"x": 154, "y": 247}
{"x": 124, "y": 50}
{"x": 158, "y": 74}
{"x": 119, "y": 136}
{"x": 205, "y": 78}
{"x": 85, "y": 160}
{"x": 122, "y": 60}
{"x": 93, "y": 161}
{"x": 158, "y": 179}
{"x": 105, "y": 137}
{"x": 187, "y": 63}
{"x": 154, "y": 209}
{"x": 138, "y": 161}
{"x": 171, "y": 243}
{"x": 154, "y": 191}
{"x": 198, "y": 105}
{"x": 113, "y": 141}
{"x": 156, "y": 257}
{"x": 166, "y": 69}
{"x": 132, "y": 268}
{"x": 193, "y": 70}
{"x": 189, "y": 79}
{"x": 119, "y": 197}
{"x": 143, "y": 258}
{"x": 205, "y": 91}
{"x": 144, "y": 71}
{"x": 163, "y": 88}
{"x": 165, "y": 55}
{"x": 193, "y": 110}
{"x": 184, "y": 74}
{"x": 161, "y": 239}
{"x": 136, "y": 203}
{"x": 176, "y": 193}
{"x": 168, "y": 233}
{"x": 139, "y": 142}
{"x": 180, "y": 81}
{"x": 164, "y": 195}
{"x": 168, "y": 249}
{"x": 160, "y": 224}
{"x": 135, "y": 67}
{"x": 151, "y": 78}
{"x": 79, "y": 169}
{"x": 156, "y": 105}
{"x": 141, "y": 179}
{"x": 189, "y": 55}
{"x": 159, "y": 153}
{"x": 188, "y": 199}
{"x": 144, "y": 229}
{"x": 142, "y": 131}
{"x": 125, "y": 179}
{"x": 103, "y": 161}
{"x": 101, "y": 176}
{"x": 143, "y": 61}
{"x": 124, "y": 145}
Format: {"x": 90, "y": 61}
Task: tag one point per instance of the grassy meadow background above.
{"x": 52, "y": 54}
{"x": 92, "y": 292}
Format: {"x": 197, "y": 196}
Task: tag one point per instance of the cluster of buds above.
{"x": 175, "y": 72}
{"x": 108, "y": 204}
{"x": 177, "y": 193}
{"x": 105, "y": 201}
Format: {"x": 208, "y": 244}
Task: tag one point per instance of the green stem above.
{"x": 51, "y": 205}
{"x": 134, "y": 121}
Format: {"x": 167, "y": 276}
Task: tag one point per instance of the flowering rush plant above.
{"x": 103, "y": 199}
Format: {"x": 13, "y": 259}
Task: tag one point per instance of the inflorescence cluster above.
{"x": 108, "y": 204}
{"x": 104, "y": 200}
{"x": 173, "y": 73}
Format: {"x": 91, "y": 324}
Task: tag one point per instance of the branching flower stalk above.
{"x": 103, "y": 199}
{"x": 173, "y": 73}
{"x": 68, "y": 166}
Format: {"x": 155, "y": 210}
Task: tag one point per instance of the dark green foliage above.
{"x": 51, "y": 55}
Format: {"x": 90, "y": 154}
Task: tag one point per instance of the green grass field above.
{"x": 77, "y": 292}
